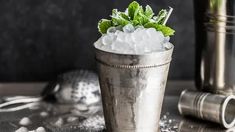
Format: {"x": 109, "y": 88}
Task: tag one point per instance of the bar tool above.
{"x": 79, "y": 88}
{"x": 215, "y": 46}
{"x": 169, "y": 12}
{"x": 24, "y": 101}
{"x": 212, "y": 107}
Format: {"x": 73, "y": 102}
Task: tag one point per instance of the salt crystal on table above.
{"x": 59, "y": 122}
{"x": 40, "y": 129}
{"x": 72, "y": 119}
{"x": 25, "y": 121}
{"x": 22, "y": 129}
{"x": 43, "y": 114}
{"x": 164, "y": 117}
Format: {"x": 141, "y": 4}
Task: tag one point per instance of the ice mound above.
{"x": 132, "y": 40}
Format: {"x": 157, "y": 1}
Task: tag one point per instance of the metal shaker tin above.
{"x": 207, "y": 106}
{"x": 215, "y": 45}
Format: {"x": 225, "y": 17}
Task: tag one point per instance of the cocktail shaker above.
{"x": 215, "y": 45}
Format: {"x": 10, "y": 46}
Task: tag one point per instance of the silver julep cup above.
{"x": 212, "y": 107}
{"x": 215, "y": 46}
{"x": 132, "y": 89}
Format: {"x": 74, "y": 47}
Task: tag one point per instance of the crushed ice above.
{"x": 44, "y": 114}
{"x": 25, "y": 121}
{"x": 40, "y": 129}
{"x": 167, "y": 124}
{"x": 24, "y": 129}
{"x": 133, "y": 40}
{"x": 59, "y": 122}
{"x": 94, "y": 122}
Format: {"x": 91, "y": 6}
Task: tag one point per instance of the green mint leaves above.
{"x": 133, "y": 9}
{"x": 104, "y": 25}
{"x": 119, "y": 18}
{"x": 148, "y": 12}
{"x": 167, "y": 31}
{"x": 137, "y": 16}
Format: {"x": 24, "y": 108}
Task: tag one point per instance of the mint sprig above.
{"x": 133, "y": 9}
{"x": 167, "y": 31}
{"x": 104, "y": 25}
{"x": 137, "y": 16}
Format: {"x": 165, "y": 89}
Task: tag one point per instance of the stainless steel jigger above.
{"x": 211, "y": 107}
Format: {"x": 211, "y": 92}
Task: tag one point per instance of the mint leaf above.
{"x": 148, "y": 11}
{"x": 135, "y": 23}
{"x": 114, "y": 12}
{"x": 161, "y": 16}
{"x": 167, "y": 31}
{"x": 150, "y": 25}
{"x": 119, "y": 21}
{"x": 142, "y": 19}
{"x": 133, "y": 9}
{"x": 103, "y": 25}
{"x": 124, "y": 16}
{"x": 119, "y": 18}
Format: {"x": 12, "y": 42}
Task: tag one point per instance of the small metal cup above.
{"x": 211, "y": 107}
{"x": 132, "y": 89}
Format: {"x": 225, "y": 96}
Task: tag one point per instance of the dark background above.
{"x": 42, "y": 38}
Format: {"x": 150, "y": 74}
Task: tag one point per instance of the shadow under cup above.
{"x": 132, "y": 88}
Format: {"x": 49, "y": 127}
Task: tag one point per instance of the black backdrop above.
{"x": 42, "y": 38}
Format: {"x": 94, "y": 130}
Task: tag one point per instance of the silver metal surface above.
{"x": 15, "y": 103}
{"x": 80, "y": 88}
{"x": 215, "y": 45}
{"x": 211, "y": 107}
{"x": 9, "y": 120}
{"x": 53, "y": 117}
{"x": 188, "y": 125}
{"x": 132, "y": 88}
